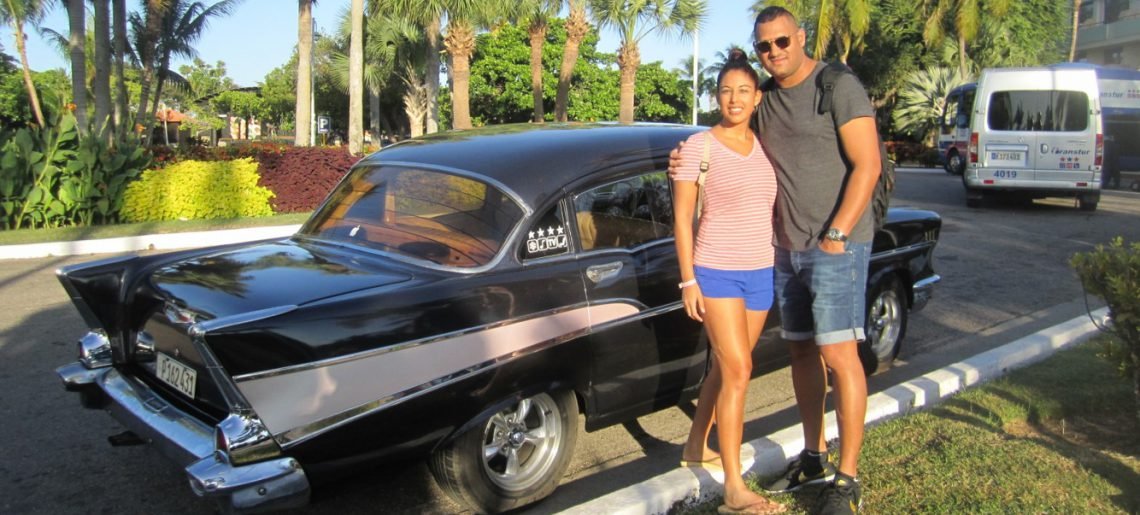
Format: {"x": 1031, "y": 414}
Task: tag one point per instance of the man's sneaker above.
{"x": 795, "y": 477}
{"x": 842, "y": 497}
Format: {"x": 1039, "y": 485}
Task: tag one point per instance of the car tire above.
{"x": 955, "y": 165}
{"x": 885, "y": 327}
{"x": 1088, "y": 202}
{"x": 534, "y": 436}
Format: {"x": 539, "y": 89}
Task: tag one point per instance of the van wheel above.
{"x": 955, "y": 164}
{"x": 514, "y": 458}
{"x": 886, "y": 325}
{"x": 1088, "y": 202}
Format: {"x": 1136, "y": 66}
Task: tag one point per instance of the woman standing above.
{"x": 726, "y": 269}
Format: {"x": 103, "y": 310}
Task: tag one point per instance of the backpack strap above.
{"x": 826, "y": 81}
{"x": 704, "y": 161}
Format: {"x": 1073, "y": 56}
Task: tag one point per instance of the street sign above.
{"x": 324, "y": 124}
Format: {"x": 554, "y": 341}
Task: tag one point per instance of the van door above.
{"x": 1007, "y": 149}
{"x": 1066, "y": 142}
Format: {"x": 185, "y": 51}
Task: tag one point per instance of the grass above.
{"x": 1058, "y": 437}
{"x": 24, "y": 236}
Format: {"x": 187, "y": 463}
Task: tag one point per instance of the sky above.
{"x": 260, "y": 35}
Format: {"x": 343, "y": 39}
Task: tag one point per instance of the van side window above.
{"x": 1043, "y": 111}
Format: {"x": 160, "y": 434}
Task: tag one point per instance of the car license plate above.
{"x": 1007, "y": 158}
{"x": 173, "y": 373}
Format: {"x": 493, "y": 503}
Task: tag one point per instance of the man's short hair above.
{"x": 771, "y": 13}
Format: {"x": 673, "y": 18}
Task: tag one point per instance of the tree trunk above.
{"x": 102, "y": 80}
{"x": 576, "y": 29}
{"x": 629, "y": 58}
{"x": 356, "y": 80}
{"x": 460, "y": 43}
{"x": 122, "y": 101}
{"x": 77, "y": 42}
{"x": 962, "y": 56}
{"x": 537, "y": 38}
{"x": 415, "y": 113}
{"x": 303, "y": 119}
{"x": 374, "y": 118}
{"x": 33, "y": 97}
{"x": 155, "y": 11}
{"x": 431, "y": 75}
{"x": 1076, "y": 27}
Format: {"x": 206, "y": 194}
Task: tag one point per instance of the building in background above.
{"x": 1109, "y": 33}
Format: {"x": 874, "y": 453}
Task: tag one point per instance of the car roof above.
{"x": 535, "y": 160}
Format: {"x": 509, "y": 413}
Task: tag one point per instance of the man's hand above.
{"x": 832, "y": 246}
{"x": 675, "y": 158}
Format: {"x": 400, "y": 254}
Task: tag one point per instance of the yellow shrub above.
{"x": 197, "y": 190}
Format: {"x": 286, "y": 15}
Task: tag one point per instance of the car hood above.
{"x": 265, "y": 275}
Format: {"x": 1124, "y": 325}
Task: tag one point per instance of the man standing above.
{"x": 827, "y": 166}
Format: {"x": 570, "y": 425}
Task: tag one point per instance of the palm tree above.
{"x": 635, "y": 19}
{"x": 463, "y": 17}
{"x": 706, "y": 76}
{"x": 101, "y": 82}
{"x": 304, "y": 114}
{"x": 16, "y": 13}
{"x": 577, "y": 26}
{"x": 1076, "y": 28}
{"x": 536, "y": 15}
{"x": 844, "y": 21}
{"x": 119, "y": 27}
{"x": 967, "y": 22}
{"x": 922, "y": 101}
{"x": 386, "y": 41}
{"x": 148, "y": 32}
{"x": 77, "y": 41}
{"x": 428, "y": 14}
{"x": 356, "y": 80}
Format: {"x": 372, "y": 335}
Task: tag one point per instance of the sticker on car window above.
{"x": 545, "y": 240}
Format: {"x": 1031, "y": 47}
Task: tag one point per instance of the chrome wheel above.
{"x": 886, "y": 325}
{"x": 521, "y": 443}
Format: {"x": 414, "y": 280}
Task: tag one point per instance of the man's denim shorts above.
{"x": 838, "y": 285}
{"x": 754, "y": 286}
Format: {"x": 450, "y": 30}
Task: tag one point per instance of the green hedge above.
{"x": 197, "y": 190}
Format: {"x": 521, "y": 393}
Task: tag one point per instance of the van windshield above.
{"x": 1043, "y": 111}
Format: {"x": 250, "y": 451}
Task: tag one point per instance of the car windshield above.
{"x": 424, "y": 214}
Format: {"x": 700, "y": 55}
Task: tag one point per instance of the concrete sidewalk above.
{"x": 171, "y": 241}
{"x": 769, "y": 455}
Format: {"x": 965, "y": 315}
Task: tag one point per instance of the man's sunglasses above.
{"x": 763, "y": 47}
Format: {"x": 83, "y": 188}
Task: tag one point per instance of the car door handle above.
{"x": 599, "y": 273}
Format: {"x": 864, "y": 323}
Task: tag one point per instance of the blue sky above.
{"x": 260, "y": 36}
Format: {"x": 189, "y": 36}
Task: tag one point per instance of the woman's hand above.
{"x": 694, "y": 302}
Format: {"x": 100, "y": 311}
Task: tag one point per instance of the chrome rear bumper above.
{"x": 267, "y": 485}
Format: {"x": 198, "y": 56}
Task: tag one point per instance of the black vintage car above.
{"x": 464, "y": 296}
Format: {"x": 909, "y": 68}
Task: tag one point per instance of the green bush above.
{"x": 1113, "y": 274}
{"x": 196, "y": 190}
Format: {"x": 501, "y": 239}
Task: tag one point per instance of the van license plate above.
{"x": 1007, "y": 159}
{"x": 173, "y": 373}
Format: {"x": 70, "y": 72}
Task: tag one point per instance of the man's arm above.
{"x": 860, "y": 141}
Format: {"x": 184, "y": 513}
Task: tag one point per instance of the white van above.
{"x": 1035, "y": 133}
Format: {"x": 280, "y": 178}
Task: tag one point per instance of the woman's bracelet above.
{"x": 686, "y": 284}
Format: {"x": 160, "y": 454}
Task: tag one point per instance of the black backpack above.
{"x": 825, "y": 81}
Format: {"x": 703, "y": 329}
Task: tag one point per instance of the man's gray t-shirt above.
{"x": 810, "y": 165}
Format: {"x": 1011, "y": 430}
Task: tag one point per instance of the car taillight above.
{"x": 973, "y": 147}
{"x": 1099, "y": 150}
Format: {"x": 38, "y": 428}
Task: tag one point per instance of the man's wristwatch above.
{"x": 834, "y": 234}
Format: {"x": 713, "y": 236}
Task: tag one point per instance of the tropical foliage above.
{"x": 922, "y": 102}
{"x": 197, "y": 190}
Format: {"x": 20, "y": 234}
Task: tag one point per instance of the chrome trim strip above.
{"x": 328, "y": 362}
{"x": 879, "y": 256}
{"x": 178, "y": 436}
{"x": 928, "y": 283}
{"x": 315, "y": 399}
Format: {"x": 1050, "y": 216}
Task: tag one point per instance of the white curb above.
{"x": 180, "y": 240}
{"x": 769, "y": 455}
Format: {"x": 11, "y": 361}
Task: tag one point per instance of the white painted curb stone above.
{"x": 179, "y": 240}
{"x": 769, "y": 455}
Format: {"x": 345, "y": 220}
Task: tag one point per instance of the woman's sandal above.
{"x": 712, "y": 464}
{"x": 765, "y": 507}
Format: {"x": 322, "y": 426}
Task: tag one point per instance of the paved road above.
{"x": 1005, "y": 274}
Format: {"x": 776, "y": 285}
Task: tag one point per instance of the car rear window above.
{"x": 443, "y": 218}
{"x": 1043, "y": 111}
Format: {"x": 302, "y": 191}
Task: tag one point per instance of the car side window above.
{"x": 625, "y": 213}
{"x": 547, "y": 236}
